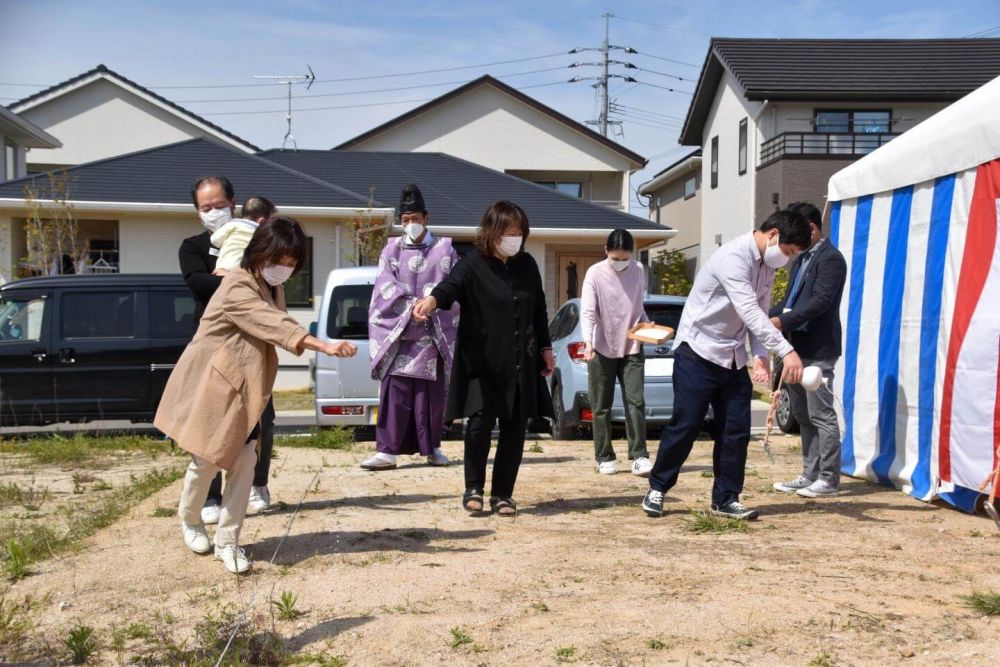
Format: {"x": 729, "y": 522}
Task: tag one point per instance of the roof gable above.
{"x": 456, "y": 191}
{"x": 163, "y": 175}
{"x": 100, "y": 73}
{"x": 495, "y": 83}
{"x": 847, "y": 70}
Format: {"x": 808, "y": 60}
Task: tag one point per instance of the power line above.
{"x": 339, "y": 80}
{"x": 362, "y": 92}
{"x": 672, "y": 76}
{"x": 672, "y": 90}
{"x": 654, "y": 113}
{"x": 660, "y": 25}
{"x": 668, "y": 60}
{"x": 984, "y": 33}
{"x": 353, "y": 106}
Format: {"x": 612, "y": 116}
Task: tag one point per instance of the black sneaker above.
{"x": 652, "y": 504}
{"x": 735, "y": 510}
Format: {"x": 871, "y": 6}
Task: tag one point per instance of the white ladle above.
{"x": 812, "y": 378}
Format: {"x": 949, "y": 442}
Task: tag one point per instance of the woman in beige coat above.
{"x": 216, "y": 394}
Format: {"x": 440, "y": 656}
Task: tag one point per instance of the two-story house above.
{"x": 674, "y": 201}
{"x": 775, "y": 118}
{"x": 17, "y": 135}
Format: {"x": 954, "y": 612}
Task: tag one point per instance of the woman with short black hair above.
{"x": 216, "y": 394}
{"x": 503, "y": 352}
{"x": 612, "y": 306}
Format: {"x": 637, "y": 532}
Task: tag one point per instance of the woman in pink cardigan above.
{"x": 612, "y": 306}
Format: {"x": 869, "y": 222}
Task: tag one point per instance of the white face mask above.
{"x": 414, "y": 230}
{"x": 276, "y": 274}
{"x": 619, "y": 265}
{"x": 509, "y": 245}
{"x": 215, "y": 218}
{"x": 773, "y": 256}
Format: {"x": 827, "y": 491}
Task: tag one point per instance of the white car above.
{"x": 346, "y": 394}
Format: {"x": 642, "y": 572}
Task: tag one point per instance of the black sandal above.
{"x": 472, "y": 500}
{"x": 503, "y": 506}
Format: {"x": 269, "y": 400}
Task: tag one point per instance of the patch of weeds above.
{"x": 336, "y": 437}
{"x": 15, "y": 620}
{"x": 101, "y": 485}
{"x": 285, "y": 607}
{"x": 163, "y": 512}
{"x": 987, "y": 604}
{"x": 459, "y": 637}
{"x": 824, "y": 659}
{"x": 540, "y": 606}
{"x": 704, "y": 522}
{"x": 536, "y": 449}
{"x": 656, "y": 644}
{"x": 707, "y": 473}
{"x": 566, "y": 654}
{"x": 27, "y": 497}
{"x": 25, "y": 546}
{"x": 320, "y": 659}
{"x": 82, "y": 644}
{"x": 975, "y": 533}
{"x": 83, "y": 450}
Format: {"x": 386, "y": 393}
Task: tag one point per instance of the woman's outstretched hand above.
{"x": 423, "y": 308}
{"x": 341, "y": 349}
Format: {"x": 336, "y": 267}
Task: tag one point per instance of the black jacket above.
{"x": 813, "y": 324}
{"x": 197, "y": 264}
{"x": 502, "y": 330}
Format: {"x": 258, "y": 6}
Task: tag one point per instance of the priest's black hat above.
{"x": 411, "y": 201}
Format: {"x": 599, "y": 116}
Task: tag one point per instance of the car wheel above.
{"x": 783, "y": 415}
{"x": 561, "y": 430}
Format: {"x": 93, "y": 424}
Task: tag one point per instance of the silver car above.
{"x": 573, "y": 414}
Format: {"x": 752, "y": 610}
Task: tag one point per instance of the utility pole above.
{"x": 604, "y": 98}
{"x": 602, "y": 119}
{"x": 289, "y": 79}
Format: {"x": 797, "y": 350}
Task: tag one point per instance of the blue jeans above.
{"x": 698, "y": 384}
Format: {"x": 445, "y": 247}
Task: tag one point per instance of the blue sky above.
{"x": 166, "y": 45}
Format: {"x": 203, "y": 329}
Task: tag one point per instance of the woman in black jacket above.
{"x": 503, "y": 351}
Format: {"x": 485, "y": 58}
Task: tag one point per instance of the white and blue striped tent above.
{"x": 919, "y": 380}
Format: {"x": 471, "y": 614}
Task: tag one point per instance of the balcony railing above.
{"x": 821, "y": 144}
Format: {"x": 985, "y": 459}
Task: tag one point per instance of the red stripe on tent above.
{"x": 979, "y": 244}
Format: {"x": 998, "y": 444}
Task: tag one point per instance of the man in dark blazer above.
{"x": 215, "y": 201}
{"x": 809, "y": 316}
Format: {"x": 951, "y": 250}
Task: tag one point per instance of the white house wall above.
{"x": 102, "y": 120}
{"x": 727, "y": 209}
{"x": 495, "y": 130}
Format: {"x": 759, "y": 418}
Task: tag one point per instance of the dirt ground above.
{"x": 387, "y": 565}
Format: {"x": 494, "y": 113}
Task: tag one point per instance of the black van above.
{"x": 89, "y": 347}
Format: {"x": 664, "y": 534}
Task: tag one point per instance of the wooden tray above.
{"x": 636, "y": 335}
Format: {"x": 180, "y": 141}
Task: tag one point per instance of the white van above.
{"x": 346, "y": 394}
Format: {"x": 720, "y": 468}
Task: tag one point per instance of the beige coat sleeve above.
{"x": 245, "y": 308}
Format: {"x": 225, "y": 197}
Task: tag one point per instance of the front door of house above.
{"x": 572, "y": 267}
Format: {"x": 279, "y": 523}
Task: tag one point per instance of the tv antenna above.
{"x": 290, "y": 79}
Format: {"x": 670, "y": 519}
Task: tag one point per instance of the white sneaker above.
{"x": 196, "y": 538}
{"x": 819, "y": 489}
{"x": 794, "y": 485}
{"x": 260, "y": 499}
{"x": 210, "y": 514}
{"x": 233, "y": 558}
{"x": 607, "y": 468}
{"x": 641, "y": 467}
{"x": 438, "y": 458}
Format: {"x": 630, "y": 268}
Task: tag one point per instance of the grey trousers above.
{"x": 630, "y": 372}
{"x": 817, "y": 420}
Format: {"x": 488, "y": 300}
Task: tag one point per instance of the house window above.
{"x": 299, "y": 288}
{"x": 853, "y": 121}
{"x": 569, "y": 188}
{"x": 743, "y": 147}
{"x": 690, "y": 187}
{"x": 8, "y": 168}
{"x": 715, "y": 162}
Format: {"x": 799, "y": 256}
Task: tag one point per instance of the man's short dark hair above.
{"x": 227, "y": 187}
{"x": 807, "y": 210}
{"x": 792, "y": 226}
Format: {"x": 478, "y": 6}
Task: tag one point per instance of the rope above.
{"x": 253, "y": 593}
{"x": 769, "y": 423}
{"x": 993, "y": 481}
